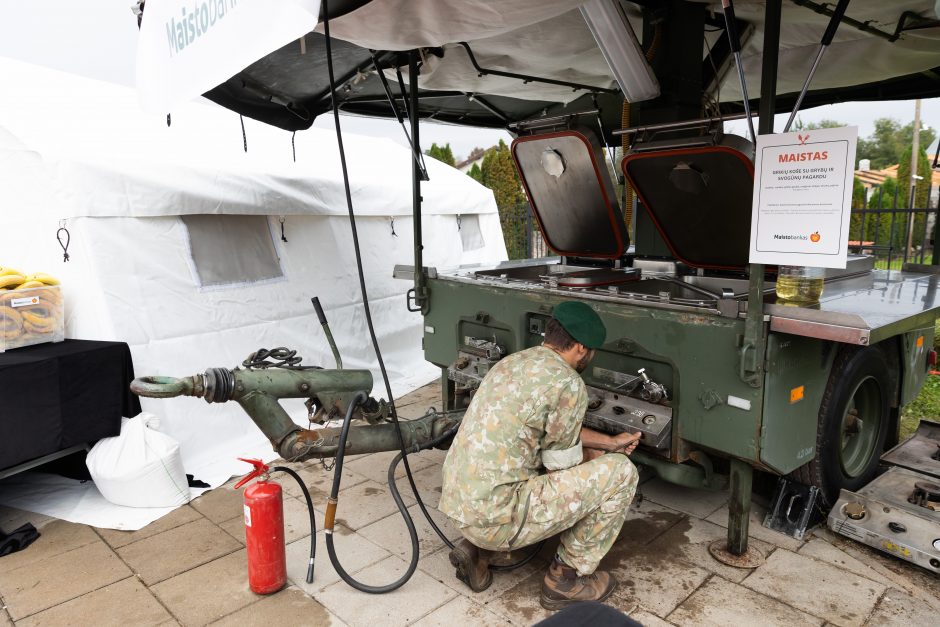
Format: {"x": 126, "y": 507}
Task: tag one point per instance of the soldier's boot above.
{"x": 472, "y": 564}
{"x": 563, "y": 586}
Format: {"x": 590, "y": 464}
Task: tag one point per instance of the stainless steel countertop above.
{"x": 864, "y": 309}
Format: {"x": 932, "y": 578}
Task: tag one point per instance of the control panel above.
{"x": 614, "y": 413}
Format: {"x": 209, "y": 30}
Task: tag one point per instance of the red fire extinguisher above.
{"x": 264, "y": 530}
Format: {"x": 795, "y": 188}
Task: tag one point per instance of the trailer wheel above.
{"x": 853, "y": 424}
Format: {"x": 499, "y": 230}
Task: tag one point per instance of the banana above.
{"x": 11, "y": 323}
{"x": 38, "y": 317}
{"x": 5, "y": 270}
{"x": 30, "y": 283}
{"x": 11, "y": 281}
{"x": 38, "y": 329}
{"x": 47, "y": 279}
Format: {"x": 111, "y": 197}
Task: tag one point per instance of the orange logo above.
{"x": 814, "y": 237}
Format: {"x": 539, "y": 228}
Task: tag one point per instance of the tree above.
{"x": 499, "y": 174}
{"x": 442, "y": 153}
{"x": 809, "y": 126}
{"x": 476, "y": 173}
{"x": 889, "y": 141}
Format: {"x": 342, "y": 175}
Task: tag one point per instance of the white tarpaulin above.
{"x": 121, "y": 182}
{"x": 188, "y": 47}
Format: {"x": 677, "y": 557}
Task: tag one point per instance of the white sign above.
{"x": 803, "y": 197}
{"x": 187, "y": 47}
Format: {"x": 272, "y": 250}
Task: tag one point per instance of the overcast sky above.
{"x": 98, "y": 39}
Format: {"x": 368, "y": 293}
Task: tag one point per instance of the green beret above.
{"x": 581, "y": 322}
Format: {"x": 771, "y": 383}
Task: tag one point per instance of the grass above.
{"x": 927, "y": 403}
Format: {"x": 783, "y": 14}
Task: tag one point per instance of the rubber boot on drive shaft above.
{"x": 563, "y": 586}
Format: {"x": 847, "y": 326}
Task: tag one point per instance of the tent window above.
{"x": 232, "y": 249}
{"x": 470, "y": 234}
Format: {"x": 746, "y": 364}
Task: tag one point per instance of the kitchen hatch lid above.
{"x": 699, "y": 198}
{"x": 572, "y": 197}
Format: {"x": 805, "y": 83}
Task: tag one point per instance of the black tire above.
{"x": 853, "y": 424}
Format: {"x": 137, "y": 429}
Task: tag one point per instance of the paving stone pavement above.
{"x": 189, "y": 567}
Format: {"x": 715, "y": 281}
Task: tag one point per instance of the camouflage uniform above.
{"x": 525, "y": 419}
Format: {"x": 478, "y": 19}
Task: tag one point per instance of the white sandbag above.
{"x": 141, "y": 467}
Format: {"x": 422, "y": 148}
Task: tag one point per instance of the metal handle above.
{"x": 316, "y": 305}
{"x": 158, "y": 387}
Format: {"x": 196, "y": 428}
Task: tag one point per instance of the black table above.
{"x": 57, "y": 398}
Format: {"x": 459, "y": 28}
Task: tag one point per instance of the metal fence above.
{"x": 893, "y": 235}
{"x": 521, "y": 233}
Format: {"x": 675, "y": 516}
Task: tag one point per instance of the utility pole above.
{"x": 915, "y": 151}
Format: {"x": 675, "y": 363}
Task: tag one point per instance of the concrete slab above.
{"x": 179, "y": 516}
{"x": 175, "y": 551}
{"x": 220, "y": 504}
{"x": 438, "y": 566}
{"x": 519, "y": 602}
{"x": 698, "y": 503}
{"x": 417, "y": 598}
{"x": 317, "y": 479}
{"x": 290, "y": 606}
{"x": 756, "y": 528}
{"x": 461, "y": 611}
{"x": 428, "y": 480}
{"x": 375, "y": 465}
{"x": 416, "y": 403}
{"x": 720, "y": 602}
{"x": 823, "y": 551}
{"x": 40, "y": 585}
{"x": 209, "y": 592}
{"x": 903, "y": 575}
{"x": 55, "y": 538}
{"x": 363, "y": 504}
{"x": 648, "y": 619}
{"x": 687, "y": 542}
{"x": 658, "y": 579}
{"x": 647, "y": 520}
{"x": 296, "y": 522}
{"x": 354, "y": 553}
{"x": 127, "y": 602}
{"x": 12, "y": 518}
{"x": 816, "y": 587}
{"x": 391, "y": 533}
{"x": 5, "y": 620}
{"x": 899, "y": 609}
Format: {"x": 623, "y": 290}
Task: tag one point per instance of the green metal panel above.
{"x": 914, "y": 361}
{"x": 695, "y": 355}
{"x": 797, "y": 369}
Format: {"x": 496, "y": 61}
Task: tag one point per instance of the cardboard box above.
{"x": 31, "y": 316}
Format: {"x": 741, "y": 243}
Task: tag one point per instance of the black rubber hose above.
{"x": 394, "y": 488}
{"x": 313, "y": 522}
{"x": 331, "y": 511}
{"x": 362, "y": 282}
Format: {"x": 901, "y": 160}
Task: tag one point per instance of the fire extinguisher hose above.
{"x": 313, "y": 522}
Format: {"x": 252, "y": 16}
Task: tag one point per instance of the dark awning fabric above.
{"x": 289, "y": 88}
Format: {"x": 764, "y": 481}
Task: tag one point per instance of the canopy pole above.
{"x": 420, "y": 289}
{"x": 755, "y": 340}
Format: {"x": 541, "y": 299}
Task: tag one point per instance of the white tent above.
{"x": 166, "y": 223}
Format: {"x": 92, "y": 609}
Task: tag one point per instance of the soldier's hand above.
{"x": 627, "y": 442}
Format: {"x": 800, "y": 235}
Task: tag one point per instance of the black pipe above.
{"x": 313, "y": 522}
{"x": 532, "y": 79}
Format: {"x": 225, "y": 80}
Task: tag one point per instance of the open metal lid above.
{"x": 699, "y": 198}
{"x": 572, "y": 196}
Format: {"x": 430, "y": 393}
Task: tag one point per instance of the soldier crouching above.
{"x": 522, "y": 468}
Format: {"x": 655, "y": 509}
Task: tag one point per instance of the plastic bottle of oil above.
{"x": 800, "y": 284}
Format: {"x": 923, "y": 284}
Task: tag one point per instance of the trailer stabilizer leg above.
{"x": 735, "y": 550}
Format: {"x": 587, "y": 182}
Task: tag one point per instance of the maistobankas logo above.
{"x": 195, "y": 22}
{"x": 813, "y": 237}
